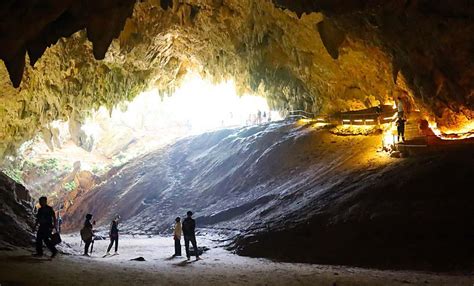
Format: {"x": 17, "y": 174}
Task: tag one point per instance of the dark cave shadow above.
{"x": 12, "y": 283}
{"x": 184, "y": 263}
{"x": 28, "y": 259}
{"x": 172, "y": 257}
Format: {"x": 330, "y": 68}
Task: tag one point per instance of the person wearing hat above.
{"x": 189, "y": 228}
{"x": 177, "y": 237}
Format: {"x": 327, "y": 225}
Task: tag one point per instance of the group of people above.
{"x": 188, "y": 229}
{"x": 259, "y": 117}
{"x": 46, "y": 219}
{"x": 87, "y": 235}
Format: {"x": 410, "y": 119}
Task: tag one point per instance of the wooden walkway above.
{"x": 370, "y": 116}
{"x": 417, "y": 141}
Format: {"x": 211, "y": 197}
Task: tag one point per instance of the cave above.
{"x": 316, "y": 142}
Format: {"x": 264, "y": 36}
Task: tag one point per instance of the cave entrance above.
{"x": 69, "y": 155}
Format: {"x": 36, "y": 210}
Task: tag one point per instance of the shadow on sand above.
{"x": 184, "y": 263}
{"x": 29, "y": 259}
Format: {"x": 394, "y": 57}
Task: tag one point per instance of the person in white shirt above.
{"x": 400, "y": 108}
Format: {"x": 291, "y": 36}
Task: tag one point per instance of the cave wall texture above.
{"x": 62, "y": 58}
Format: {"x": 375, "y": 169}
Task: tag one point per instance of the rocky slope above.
{"x": 16, "y": 219}
{"x": 296, "y": 193}
{"x": 414, "y": 215}
{"x": 324, "y": 56}
{"x": 211, "y": 172}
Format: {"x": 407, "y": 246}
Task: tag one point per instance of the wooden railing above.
{"x": 368, "y": 118}
{"x": 300, "y": 114}
{"x": 346, "y": 118}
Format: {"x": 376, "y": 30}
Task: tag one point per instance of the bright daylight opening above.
{"x": 149, "y": 122}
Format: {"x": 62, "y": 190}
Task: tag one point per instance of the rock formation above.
{"x": 16, "y": 218}
{"x": 317, "y": 55}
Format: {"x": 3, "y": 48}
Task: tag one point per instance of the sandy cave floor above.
{"x": 218, "y": 267}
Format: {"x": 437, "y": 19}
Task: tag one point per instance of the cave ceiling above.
{"x": 63, "y": 58}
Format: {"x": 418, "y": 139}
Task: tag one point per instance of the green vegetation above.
{"x": 51, "y": 164}
{"x": 43, "y": 167}
{"x": 21, "y": 166}
{"x": 66, "y": 168}
{"x": 70, "y": 186}
{"x": 119, "y": 160}
{"x": 28, "y": 165}
{"x": 97, "y": 170}
{"x": 15, "y": 174}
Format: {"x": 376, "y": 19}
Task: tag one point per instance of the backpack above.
{"x": 56, "y": 238}
{"x": 86, "y": 234}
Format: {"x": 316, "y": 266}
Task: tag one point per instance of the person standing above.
{"x": 60, "y": 222}
{"x": 400, "y": 108}
{"x": 87, "y": 234}
{"x": 189, "y": 232}
{"x": 177, "y": 237}
{"x": 114, "y": 236}
{"x": 46, "y": 219}
{"x": 401, "y": 128}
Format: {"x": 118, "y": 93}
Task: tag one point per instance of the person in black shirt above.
{"x": 87, "y": 234}
{"x": 46, "y": 219}
{"x": 189, "y": 227}
{"x": 401, "y": 128}
{"x": 114, "y": 236}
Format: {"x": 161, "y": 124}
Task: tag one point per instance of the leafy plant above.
{"x": 15, "y": 174}
{"x": 50, "y": 164}
{"x": 70, "y": 186}
{"x": 29, "y": 165}
{"x": 96, "y": 169}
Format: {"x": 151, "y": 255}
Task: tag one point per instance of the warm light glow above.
{"x": 388, "y": 140}
{"x": 463, "y": 131}
{"x": 304, "y": 121}
{"x": 319, "y": 124}
{"x": 348, "y": 129}
{"x": 389, "y": 133}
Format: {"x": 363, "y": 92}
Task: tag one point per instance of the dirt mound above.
{"x": 297, "y": 193}
{"x": 16, "y": 218}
